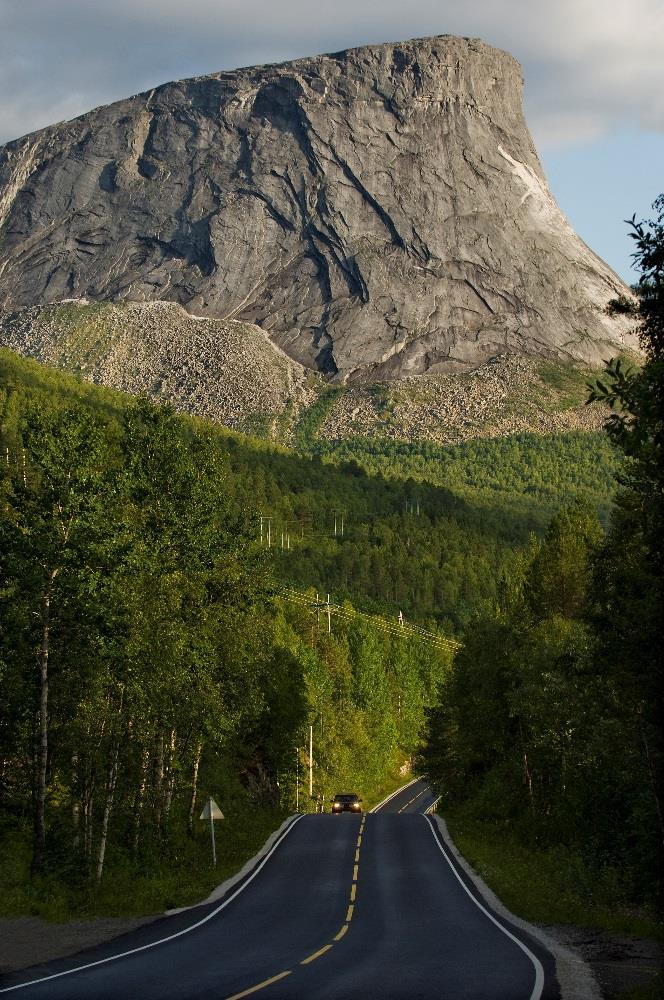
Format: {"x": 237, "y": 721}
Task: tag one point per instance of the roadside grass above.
{"x": 170, "y": 874}
{"x": 548, "y": 885}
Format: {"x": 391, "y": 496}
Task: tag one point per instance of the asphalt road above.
{"x": 345, "y": 907}
{"x": 415, "y": 797}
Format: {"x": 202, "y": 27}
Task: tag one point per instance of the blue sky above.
{"x": 599, "y": 184}
{"x": 593, "y": 70}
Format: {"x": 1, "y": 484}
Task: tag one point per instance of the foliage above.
{"x": 146, "y": 661}
{"x": 526, "y": 475}
{"x": 551, "y": 884}
{"x": 628, "y": 607}
{"x": 550, "y": 723}
{"x": 535, "y": 733}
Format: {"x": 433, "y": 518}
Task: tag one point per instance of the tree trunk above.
{"x": 75, "y": 804}
{"x": 194, "y": 789}
{"x": 169, "y": 785}
{"x": 39, "y": 842}
{"x": 88, "y": 803}
{"x": 529, "y": 782}
{"x": 108, "y": 805}
{"x": 651, "y": 776}
{"x": 159, "y": 783}
{"x": 139, "y": 799}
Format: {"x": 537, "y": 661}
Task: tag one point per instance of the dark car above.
{"x": 347, "y": 802}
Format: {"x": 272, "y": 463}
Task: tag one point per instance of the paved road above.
{"x": 415, "y": 797}
{"x": 346, "y": 907}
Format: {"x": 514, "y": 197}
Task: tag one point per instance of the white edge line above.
{"x": 171, "y": 937}
{"x": 539, "y": 971}
{"x": 392, "y": 794}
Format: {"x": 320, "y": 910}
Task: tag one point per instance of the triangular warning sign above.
{"x": 211, "y": 810}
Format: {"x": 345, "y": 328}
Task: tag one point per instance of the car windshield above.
{"x": 345, "y": 798}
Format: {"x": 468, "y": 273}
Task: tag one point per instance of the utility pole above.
{"x": 297, "y": 779}
{"x": 267, "y": 518}
{"x": 329, "y": 616}
{"x": 311, "y": 762}
{"x": 214, "y": 846}
{"x": 338, "y": 521}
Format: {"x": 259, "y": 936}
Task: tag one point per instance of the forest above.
{"x": 149, "y": 657}
{"x": 549, "y": 727}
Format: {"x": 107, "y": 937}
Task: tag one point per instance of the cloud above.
{"x": 590, "y": 66}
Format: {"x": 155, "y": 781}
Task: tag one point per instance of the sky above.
{"x": 593, "y": 72}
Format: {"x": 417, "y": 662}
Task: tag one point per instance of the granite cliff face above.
{"x": 379, "y": 212}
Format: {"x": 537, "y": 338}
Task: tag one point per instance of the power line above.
{"x": 399, "y": 628}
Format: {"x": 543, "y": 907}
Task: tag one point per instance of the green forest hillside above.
{"x": 150, "y": 657}
{"x": 420, "y": 528}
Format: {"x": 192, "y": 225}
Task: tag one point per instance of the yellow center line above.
{"x": 412, "y": 800}
{"x": 316, "y": 954}
{"x": 321, "y": 951}
{"x": 261, "y": 986}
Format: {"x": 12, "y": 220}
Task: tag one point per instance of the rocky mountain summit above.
{"x": 379, "y": 213}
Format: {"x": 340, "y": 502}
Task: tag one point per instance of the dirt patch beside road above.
{"x": 620, "y": 964}
{"x": 27, "y": 941}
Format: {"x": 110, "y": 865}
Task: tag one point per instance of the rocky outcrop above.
{"x": 507, "y": 395}
{"x": 220, "y": 369}
{"x": 229, "y": 372}
{"x": 379, "y": 212}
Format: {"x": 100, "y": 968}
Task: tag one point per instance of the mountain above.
{"x": 379, "y": 213}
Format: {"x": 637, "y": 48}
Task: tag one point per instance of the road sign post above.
{"x": 212, "y": 812}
